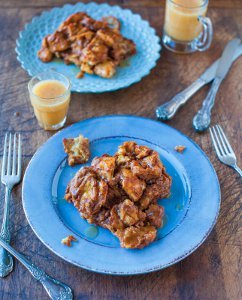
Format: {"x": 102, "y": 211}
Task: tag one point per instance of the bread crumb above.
{"x": 77, "y": 150}
{"x": 68, "y": 240}
{"x": 80, "y": 74}
{"x": 180, "y": 148}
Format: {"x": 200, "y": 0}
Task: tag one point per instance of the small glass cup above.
{"x": 186, "y": 28}
{"x": 50, "y": 111}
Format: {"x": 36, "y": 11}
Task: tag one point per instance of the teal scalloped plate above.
{"x": 132, "y": 27}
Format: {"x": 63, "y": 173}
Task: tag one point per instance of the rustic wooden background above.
{"x": 214, "y": 270}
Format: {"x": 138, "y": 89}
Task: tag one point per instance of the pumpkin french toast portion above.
{"x": 96, "y": 47}
{"x": 120, "y": 193}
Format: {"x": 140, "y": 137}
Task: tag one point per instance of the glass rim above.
{"x": 50, "y": 98}
{"x": 205, "y": 2}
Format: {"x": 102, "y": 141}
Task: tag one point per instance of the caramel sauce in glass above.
{"x": 181, "y": 18}
{"x": 50, "y": 99}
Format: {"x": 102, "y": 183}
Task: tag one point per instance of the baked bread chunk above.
{"x": 77, "y": 150}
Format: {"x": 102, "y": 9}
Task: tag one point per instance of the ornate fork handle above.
{"x": 202, "y": 119}
{"x": 168, "y": 110}
{"x": 6, "y": 260}
{"x": 55, "y": 289}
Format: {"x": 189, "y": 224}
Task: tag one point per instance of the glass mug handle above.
{"x": 205, "y": 40}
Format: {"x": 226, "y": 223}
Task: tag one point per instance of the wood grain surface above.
{"x": 214, "y": 270}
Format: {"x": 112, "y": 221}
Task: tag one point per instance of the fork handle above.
{"x": 5, "y": 233}
{"x": 202, "y": 119}
{"x": 55, "y": 288}
{"x": 238, "y": 170}
{"x": 6, "y": 260}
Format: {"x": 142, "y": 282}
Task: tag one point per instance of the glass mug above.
{"x": 49, "y": 94}
{"x": 186, "y": 28}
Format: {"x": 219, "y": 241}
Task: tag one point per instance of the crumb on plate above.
{"x": 80, "y": 74}
{"x": 77, "y": 150}
{"x": 180, "y": 148}
{"x": 68, "y": 240}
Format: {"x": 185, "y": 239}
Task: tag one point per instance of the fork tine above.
{"x": 4, "y": 160}
{"x": 220, "y": 138}
{"x": 218, "y": 141}
{"x": 14, "y": 156}
{"x": 225, "y": 139}
{"x": 9, "y": 154}
{"x": 215, "y": 142}
{"x": 226, "y": 150}
{"x": 19, "y": 154}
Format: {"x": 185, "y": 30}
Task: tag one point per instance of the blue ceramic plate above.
{"x": 190, "y": 212}
{"x": 132, "y": 26}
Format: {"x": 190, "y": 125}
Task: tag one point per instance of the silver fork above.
{"x": 56, "y": 289}
{"x": 10, "y": 176}
{"x": 223, "y": 149}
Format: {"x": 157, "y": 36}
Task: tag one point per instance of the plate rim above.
{"x": 148, "y": 270}
{"x": 91, "y": 90}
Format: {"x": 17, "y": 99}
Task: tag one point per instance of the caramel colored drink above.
{"x": 181, "y": 23}
{"x": 50, "y": 99}
{"x": 186, "y": 27}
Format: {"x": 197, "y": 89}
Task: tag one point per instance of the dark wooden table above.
{"x": 214, "y": 270}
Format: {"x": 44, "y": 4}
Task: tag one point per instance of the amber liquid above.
{"x": 181, "y": 19}
{"x": 50, "y": 101}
